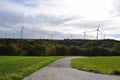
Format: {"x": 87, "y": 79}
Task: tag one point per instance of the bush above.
{"x": 49, "y": 48}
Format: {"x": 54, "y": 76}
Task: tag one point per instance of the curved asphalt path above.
{"x": 61, "y": 70}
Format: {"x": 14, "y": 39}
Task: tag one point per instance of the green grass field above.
{"x": 17, "y": 67}
{"x": 104, "y": 65}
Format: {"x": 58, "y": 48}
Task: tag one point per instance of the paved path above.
{"x": 61, "y": 70}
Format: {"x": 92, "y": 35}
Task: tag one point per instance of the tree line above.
{"x": 29, "y": 47}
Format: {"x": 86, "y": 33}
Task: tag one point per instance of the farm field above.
{"x": 17, "y": 67}
{"x": 103, "y": 65}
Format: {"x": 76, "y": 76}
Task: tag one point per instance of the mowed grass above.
{"x": 17, "y": 67}
{"x": 104, "y": 65}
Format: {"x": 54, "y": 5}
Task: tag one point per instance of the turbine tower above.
{"x": 104, "y": 36}
{"x": 98, "y": 30}
{"x": 84, "y": 37}
{"x": 5, "y": 34}
{"x": 22, "y": 30}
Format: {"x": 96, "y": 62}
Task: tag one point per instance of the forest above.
{"x": 67, "y": 47}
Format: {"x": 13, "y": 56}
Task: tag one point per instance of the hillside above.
{"x": 107, "y": 43}
{"x": 36, "y": 47}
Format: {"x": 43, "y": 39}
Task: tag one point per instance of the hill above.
{"x": 107, "y": 43}
{"x": 67, "y": 47}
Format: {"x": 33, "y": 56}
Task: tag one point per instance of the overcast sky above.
{"x": 60, "y": 18}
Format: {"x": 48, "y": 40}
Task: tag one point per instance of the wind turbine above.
{"x": 84, "y": 37}
{"x": 98, "y": 30}
{"x": 104, "y": 36}
{"x": 22, "y": 30}
{"x": 13, "y": 35}
{"x": 51, "y": 36}
{"x": 6, "y": 34}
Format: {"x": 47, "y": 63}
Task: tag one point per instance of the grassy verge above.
{"x": 104, "y": 65}
{"x": 17, "y": 67}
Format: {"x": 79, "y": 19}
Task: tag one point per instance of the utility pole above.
{"x": 22, "y": 30}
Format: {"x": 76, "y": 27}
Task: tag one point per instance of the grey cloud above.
{"x": 29, "y": 3}
{"x": 115, "y": 35}
{"x": 53, "y": 20}
{"x": 9, "y": 18}
{"x": 91, "y": 24}
{"x": 116, "y": 9}
{"x": 43, "y": 34}
{"x": 12, "y": 19}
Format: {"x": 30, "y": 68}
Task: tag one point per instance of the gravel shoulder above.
{"x": 62, "y": 70}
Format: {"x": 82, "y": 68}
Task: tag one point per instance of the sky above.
{"x": 60, "y": 19}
